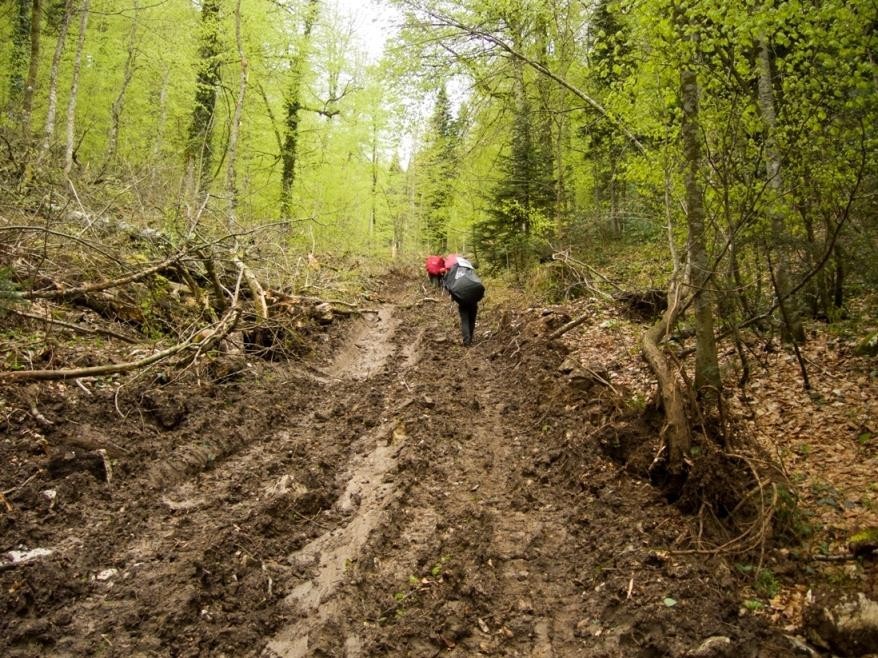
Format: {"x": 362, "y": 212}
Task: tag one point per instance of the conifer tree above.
{"x": 523, "y": 199}
{"x": 440, "y": 161}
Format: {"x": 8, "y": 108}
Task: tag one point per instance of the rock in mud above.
{"x": 73, "y": 461}
{"x": 717, "y": 646}
{"x": 848, "y": 624}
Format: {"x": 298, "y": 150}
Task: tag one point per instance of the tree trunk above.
{"x": 819, "y": 302}
{"x": 31, "y": 84}
{"x": 119, "y": 102}
{"x": 74, "y": 88}
{"x": 235, "y": 128}
{"x": 839, "y": 276}
{"x": 373, "y": 214}
{"x": 18, "y": 64}
{"x": 52, "y": 103}
{"x": 161, "y": 115}
{"x": 707, "y": 378}
{"x": 677, "y": 434}
{"x": 199, "y": 148}
{"x": 293, "y": 108}
{"x": 792, "y": 325}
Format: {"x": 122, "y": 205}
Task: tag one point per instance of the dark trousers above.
{"x": 467, "y": 311}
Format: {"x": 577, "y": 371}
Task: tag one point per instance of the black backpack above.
{"x": 464, "y": 285}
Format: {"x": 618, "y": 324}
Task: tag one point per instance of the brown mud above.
{"x": 394, "y": 493}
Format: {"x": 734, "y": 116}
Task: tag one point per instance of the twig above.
{"x": 40, "y": 418}
{"x": 116, "y": 401}
{"x": 310, "y": 520}
{"x": 20, "y": 486}
{"x": 842, "y": 557}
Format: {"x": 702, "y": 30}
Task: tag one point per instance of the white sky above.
{"x": 374, "y": 21}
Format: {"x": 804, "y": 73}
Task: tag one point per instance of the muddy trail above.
{"x": 393, "y": 493}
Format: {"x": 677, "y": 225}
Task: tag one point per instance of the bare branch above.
{"x": 199, "y": 339}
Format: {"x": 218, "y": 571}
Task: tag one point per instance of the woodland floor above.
{"x": 394, "y": 493}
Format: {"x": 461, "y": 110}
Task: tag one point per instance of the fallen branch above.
{"x": 96, "y": 287}
{"x": 572, "y": 263}
{"x": 74, "y": 327}
{"x": 563, "y": 329}
{"x": 320, "y": 300}
{"x": 671, "y": 392}
{"x": 254, "y": 285}
{"x": 20, "y": 486}
{"x": 200, "y": 339}
{"x": 66, "y": 236}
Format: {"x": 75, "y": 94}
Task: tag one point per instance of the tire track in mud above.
{"x": 458, "y": 514}
{"x": 408, "y": 499}
{"x": 369, "y": 491}
{"x": 211, "y": 526}
{"x": 466, "y": 524}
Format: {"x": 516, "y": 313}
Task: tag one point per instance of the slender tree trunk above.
{"x": 161, "y": 115}
{"x": 707, "y": 378}
{"x": 565, "y": 193}
{"x": 293, "y": 107}
{"x": 235, "y": 128}
{"x": 373, "y": 214}
{"x": 677, "y": 435}
{"x": 820, "y": 295}
{"x": 74, "y": 88}
{"x": 18, "y": 64}
{"x": 838, "y": 276}
{"x": 52, "y": 103}
{"x": 119, "y": 102}
{"x": 31, "y": 84}
{"x": 792, "y": 326}
{"x": 199, "y": 148}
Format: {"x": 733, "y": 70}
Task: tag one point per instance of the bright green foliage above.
{"x": 559, "y": 127}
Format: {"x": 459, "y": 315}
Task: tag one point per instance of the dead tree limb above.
{"x": 71, "y": 326}
{"x": 96, "y": 287}
{"x": 678, "y": 436}
{"x": 254, "y": 285}
{"x": 42, "y": 229}
{"x": 573, "y": 263}
{"x": 199, "y": 340}
{"x": 320, "y": 300}
{"x": 563, "y": 329}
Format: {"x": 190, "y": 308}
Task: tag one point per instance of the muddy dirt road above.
{"x": 393, "y": 493}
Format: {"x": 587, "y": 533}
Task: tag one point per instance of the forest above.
{"x": 238, "y": 420}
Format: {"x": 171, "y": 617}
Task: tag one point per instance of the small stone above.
{"x": 106, "y": 574}
{"x": 524, "y": 606}
{"x": 713, "y": 647}
{"x": 588, "y": 628}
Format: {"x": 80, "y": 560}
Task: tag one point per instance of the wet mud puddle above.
{"x": 368, "y": 492}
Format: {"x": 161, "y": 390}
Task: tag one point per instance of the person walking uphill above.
{"x": 465, "y": 288}
{"x": 435, "y": 269}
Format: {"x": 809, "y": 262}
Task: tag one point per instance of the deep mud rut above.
{"x": 393, "y": 494}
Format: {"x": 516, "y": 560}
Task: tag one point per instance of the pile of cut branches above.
{"x": 85, "y": 297}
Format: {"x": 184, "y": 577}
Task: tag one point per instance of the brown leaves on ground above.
{"x": 825, "y": 439}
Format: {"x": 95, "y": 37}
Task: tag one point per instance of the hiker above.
{"x": 435, "y": 269}
{"x": 465, "y": 288}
